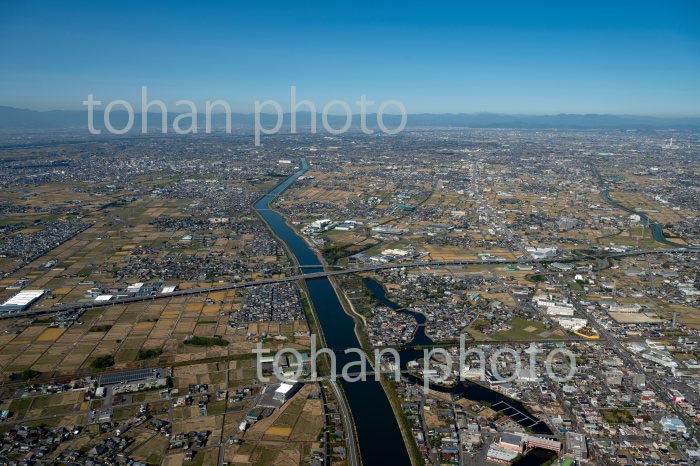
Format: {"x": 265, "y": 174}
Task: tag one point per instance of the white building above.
{"x": 135, "y": 288}
{"x": 661, "y": 358}
{"x": 320, "y": 225}
{"x": 688, "y": 289}
{"x": 21, "y": 301}
{"x": 396, "y": 252}
{"x": 572, "y": 323}
{"x": 285, "y": 391}
{"x": 560, "y": 311}
{"x": 500, "y": 454}
{"x": 576, "y": 445}
{"x": 549, "y": 301}
{"x": 542, "y": 253}
{"x": 347, "y": 225}
{"x": 629, "y": 308}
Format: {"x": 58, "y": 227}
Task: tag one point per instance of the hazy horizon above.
{"x": 303, "y": 112}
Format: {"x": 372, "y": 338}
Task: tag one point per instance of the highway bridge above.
{"x": 331, "y": 273}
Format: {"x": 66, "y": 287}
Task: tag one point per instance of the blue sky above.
{"x": 635, "y": 57}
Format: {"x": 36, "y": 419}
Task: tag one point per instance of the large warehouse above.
{"x": 21, "y": 301}
{"x": 285, "y": 391}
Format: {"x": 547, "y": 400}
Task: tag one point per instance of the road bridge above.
{"x": 331, "y": 273}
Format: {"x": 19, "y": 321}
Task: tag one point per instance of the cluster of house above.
{"x": 279, "y": 302}
{"x": 387, "y": 327}
{"x": 25, "y": 247}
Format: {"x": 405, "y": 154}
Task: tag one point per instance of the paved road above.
{"x": 223, "y": 440}
{"x": 630, "y": 361}
{"x": 326, "y": 428}
{"x": 331, "y": 273}
{"x": 352, "y": 443}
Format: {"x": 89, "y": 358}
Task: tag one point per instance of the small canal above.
{"x": 379, "y": 435}
{"x": 466, "y": 389}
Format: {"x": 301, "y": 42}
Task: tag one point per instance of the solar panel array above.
{"x": 126, "y": 377}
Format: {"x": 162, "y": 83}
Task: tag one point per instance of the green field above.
{"x": 523, "y": 329}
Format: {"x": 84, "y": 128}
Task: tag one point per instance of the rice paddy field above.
{"x": 124, "y": 330}
{"x": 284, "y": 438}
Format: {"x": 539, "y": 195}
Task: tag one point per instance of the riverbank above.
{"x": 389, "y": 390}
{"x": 378, "y": 432}
{"x": 312, "y": 319}
{"x": 656, "y": 229}
{"x": 469, "y": 390}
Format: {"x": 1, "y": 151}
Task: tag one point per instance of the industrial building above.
{"x": 553, "y": 307}
{"x": 542, "y": 252}
{"x": 21, "y": 301}
{"x": 662, "y": 358}
{"x": 285, "y": 391}
{"x": 319, "y": 226}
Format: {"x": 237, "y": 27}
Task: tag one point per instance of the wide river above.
{"x": 378, "y": 432}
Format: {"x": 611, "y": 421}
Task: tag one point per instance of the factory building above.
{"x": 318, "y": 226}
{"x": 553, "y": 307}
{"x": 285, "y": 391}
{"x": 21, "y": 301}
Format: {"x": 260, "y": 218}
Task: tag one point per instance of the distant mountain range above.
{"x": 15, "y": 118}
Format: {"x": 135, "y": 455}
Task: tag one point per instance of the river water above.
{"x": 468, "y": 390}
{"x": 656, "y": 229}
{"x": 378, "y": 432}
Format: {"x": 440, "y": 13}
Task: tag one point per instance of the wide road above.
{"x": 630, "y": 362}
{"x": 331, "y": 273}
